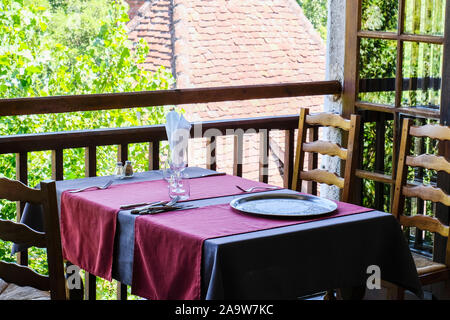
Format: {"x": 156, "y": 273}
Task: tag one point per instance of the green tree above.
{"x": 317, "y": 13}
{"x": 57, "y": 47}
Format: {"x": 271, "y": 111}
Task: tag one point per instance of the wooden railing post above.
{"x": 153, "y": 155}
{"x": 311, "y": 186}
{"x": 90, "y": 171}
{"x": 122, "y": 292}
{"x": 238, "y": 150}
{"x": 211, "y": 153}
{"x": 264, "y": 155}
{"x": 288, "y": 164}
{"x": 21, "y": 175}
{"x": 57, "y": 164}
{"x": 122, "y": 152}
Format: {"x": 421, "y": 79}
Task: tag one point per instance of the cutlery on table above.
{"x": 161, "y": 204}
{"x": 254, "y": 188}
{"x": 135, "y": 205}
{"x": 105, "y": 186}
{"x": 210, "y": 175}
{"x": 165, "y": 209}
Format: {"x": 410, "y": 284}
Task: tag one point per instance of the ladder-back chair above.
{"x": 349, "y": 155}
{"x": 19, "y": 282}
{"x": 428, "y": 270}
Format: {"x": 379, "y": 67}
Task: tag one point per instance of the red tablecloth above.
{"x": 168, "y": 246}
{"x": 88, "y": 219}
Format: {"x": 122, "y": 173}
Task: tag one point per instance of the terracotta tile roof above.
{"x": 230, "y": 42}
{"x": 153, "y": 22}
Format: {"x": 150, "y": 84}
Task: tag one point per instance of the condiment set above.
{"x": 124, "y": 171}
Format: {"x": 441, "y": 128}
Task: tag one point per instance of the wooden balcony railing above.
{"x": 21, "y": 145}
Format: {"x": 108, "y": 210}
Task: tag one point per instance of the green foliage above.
{"x": 57, "y": 47}
{"x": 317, "y": 13}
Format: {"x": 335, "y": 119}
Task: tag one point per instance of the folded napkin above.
{"x": 178, "y": 131}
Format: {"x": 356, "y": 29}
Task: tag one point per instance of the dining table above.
{"x": 209, "y": 250}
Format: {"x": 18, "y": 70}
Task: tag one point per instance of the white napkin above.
{"x": 178, "y": 132}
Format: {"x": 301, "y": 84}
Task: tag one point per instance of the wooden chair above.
{"x": 349, "y": 155}
{"x": 316, "y": 146}
{"x": 19, "y": 282}
{"x": 428, "y": 270}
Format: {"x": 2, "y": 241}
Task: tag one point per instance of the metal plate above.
{"x": 284, "y": 205}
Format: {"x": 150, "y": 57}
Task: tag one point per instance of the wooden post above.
{"x": 90, "y": 171}
{"x": 311, "y": 186}
{"x": 57, "y": 164}
{"x": 264, "y": 155}
{"x": 289, "y": 150}
{"x": 153, "y": 154}
{"x": 238, "y": 150}
{"x": 211, "y": 153}
{"x": 21, "y": 175}
{"x": 122, "y": 152}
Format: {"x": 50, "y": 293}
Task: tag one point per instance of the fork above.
{"x": 153, "y": 205}
{"x": 98, "y": 187}
{"x": 253, "y": 188}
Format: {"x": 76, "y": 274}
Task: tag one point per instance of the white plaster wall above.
{"x": 334, "y": 70}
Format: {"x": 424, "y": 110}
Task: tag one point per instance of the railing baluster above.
{"x": 122, "y": 152}
{"x": 153, "y": 155}
{"x": 289, "y": 149}
{"x": 264, "y": 155}
{"x": 121, "y": 291}
{"x": 90, "y": 286}
{"x": 90, "y": 161}
{"x": 311, "y": 186}
{"x": 21, "y": 175}
{"x": 90, "y": 167}
{"x": 57, "y": 164}
{"x": 238, "y": 151}
{"x": 211, "y": 153}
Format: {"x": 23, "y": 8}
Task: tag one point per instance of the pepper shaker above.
{"x": 128, "y": 169}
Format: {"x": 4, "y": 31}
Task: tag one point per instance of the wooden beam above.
{"x": 72, "y": 103}
{"x": 351, "y": 60}
{"x": 403, "y": 37}
{"x": 114, "y": 136}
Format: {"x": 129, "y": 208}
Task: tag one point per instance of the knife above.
{"x": 209, "y": 175}
{"x": 164, "y": 209}
{"x": 134, "y": 205}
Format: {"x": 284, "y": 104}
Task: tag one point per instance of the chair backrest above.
{"x": 13, "y": 190}
{"x": 315, "y": 146}
{"x": 404, "y": 189}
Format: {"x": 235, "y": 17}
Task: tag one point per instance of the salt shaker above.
{"x": 128, "y": 169}
{"x": 119, "y": 170}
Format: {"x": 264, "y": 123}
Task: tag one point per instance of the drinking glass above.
{"x": 180, "y": 187}
{"x": 168, "y": 173}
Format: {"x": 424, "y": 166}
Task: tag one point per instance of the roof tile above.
{"x": 229, "y": 42}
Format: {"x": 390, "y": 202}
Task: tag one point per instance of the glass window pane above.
{"x": 379, "y": 15}
{"x": 422, "y": 64}
{"x": 424, "y": 17}
{"x": 377, "y": 71}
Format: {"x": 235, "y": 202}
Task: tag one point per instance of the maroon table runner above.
{"x": 88, "y": 219}
{"x": 168, "y": 246}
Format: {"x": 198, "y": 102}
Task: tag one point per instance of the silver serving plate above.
{"x": 284, "y": 205}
